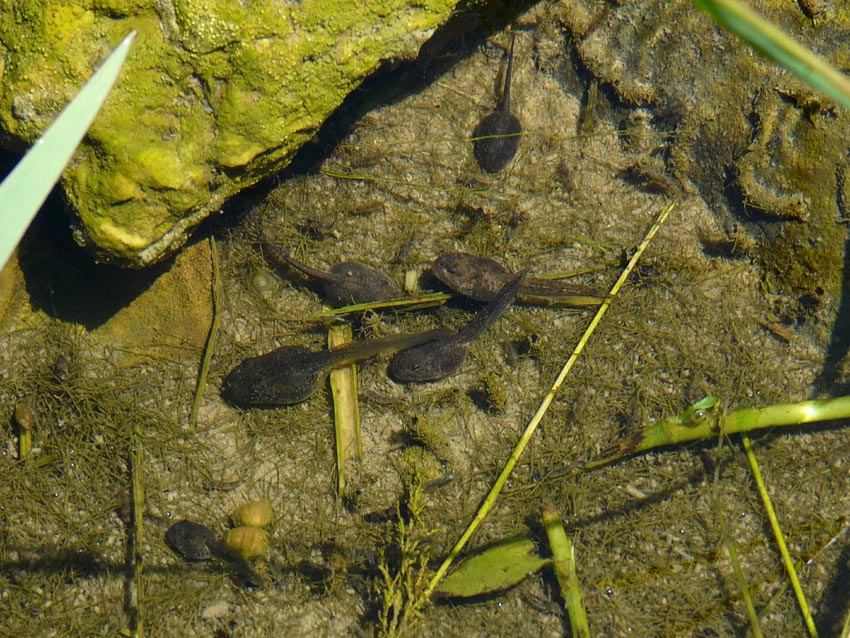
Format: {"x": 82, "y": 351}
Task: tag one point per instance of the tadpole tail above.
{"x": 279, "y": 258}
{"x": 360, "y": 350}
{"x": 492, "y": 311}
{"x": 505, "y": 101}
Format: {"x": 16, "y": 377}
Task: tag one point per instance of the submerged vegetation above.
{"x": 664, "y": 544}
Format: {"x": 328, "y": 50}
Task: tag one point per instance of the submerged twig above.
{"x": 212, "y": 337}
{"x": 490, "y": 499}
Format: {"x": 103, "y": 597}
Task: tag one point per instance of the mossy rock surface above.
{"x": 215, "y": 96}
{"x": 765, "y": 151}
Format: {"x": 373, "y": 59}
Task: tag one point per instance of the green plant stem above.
{"x": 774, "y": 43}
{"x": 563, "y": 553}
{"x": 684, "y": 427}
{"x": 24, "y": 444}
{"x": 780, "y": 537}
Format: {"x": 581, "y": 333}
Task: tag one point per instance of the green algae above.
{"x": 217, "y": 95}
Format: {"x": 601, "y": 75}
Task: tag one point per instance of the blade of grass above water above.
{"x": 23, "y": 192}
{"x": 777, "y": 45}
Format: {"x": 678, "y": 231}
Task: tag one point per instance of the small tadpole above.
{"x": 348, "y": 282}
{"x": 195, "y": 542}
{"x": 290, "y": 374}
{"x": 438, "y": 358}
{"x": 496, "y": 138}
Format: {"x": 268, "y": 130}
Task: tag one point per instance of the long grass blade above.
{"x": 777, "y": 45}
{"x": 780, "y": 537}
{"x": 23, "y": 192}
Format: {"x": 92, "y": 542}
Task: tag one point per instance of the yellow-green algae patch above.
{"x": 215, "y": 96}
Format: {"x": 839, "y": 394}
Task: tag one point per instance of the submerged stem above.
{"x": 702, "y": 421}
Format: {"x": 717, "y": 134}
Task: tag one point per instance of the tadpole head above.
{"x": 281, "y": 377}
{"x": 356, "y": 283}
{"x": 429, "y": 362}
{"x": 240, "y": 385}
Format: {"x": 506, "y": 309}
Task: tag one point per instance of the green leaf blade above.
{"x": 493, "y": 569}
{"x": 24, "y": 190}
{"x": 774, "y": 43}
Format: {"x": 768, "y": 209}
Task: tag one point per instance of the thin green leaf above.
{"x": 774, "y": 43}
{"x": 23, "y": 192}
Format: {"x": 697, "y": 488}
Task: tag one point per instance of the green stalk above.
{"x": 563, "y": 553}
{"x": 780, "y": 538}
{"x": 702, "y": 420}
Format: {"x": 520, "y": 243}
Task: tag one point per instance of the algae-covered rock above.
{"x": 215, "y": 95}
{"x": 762, "y": 149}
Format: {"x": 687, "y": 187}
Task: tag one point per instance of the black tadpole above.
{"x": 348, "y": 282}
{"x": 196, "y": 542}
{"x": 496, "y": 138}
{"x": 440, "y": 357}
{"x": 481, "y": 279}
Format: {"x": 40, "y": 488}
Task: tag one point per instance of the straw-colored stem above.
{"x": 780, "y": 537}
{"x": 490, "y": 499}
{"x": 346, "y": 408}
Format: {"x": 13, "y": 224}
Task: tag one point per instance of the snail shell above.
{"x": 253, "y": 514}
{"x": 264, "y": 283}
{"x": 248, "y": 542}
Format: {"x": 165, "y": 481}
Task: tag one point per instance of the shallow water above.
{"x": 400, "y": 189}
